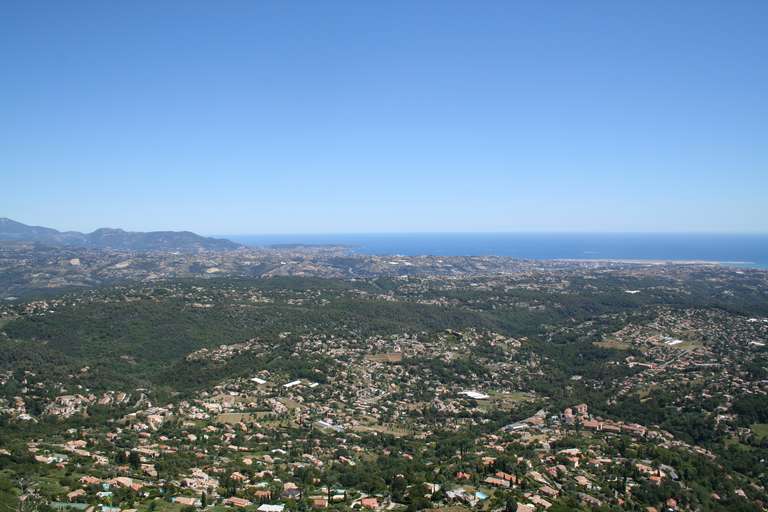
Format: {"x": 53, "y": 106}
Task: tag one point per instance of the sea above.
{"x": 747, "y": 250}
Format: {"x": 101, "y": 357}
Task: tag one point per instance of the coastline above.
{"x": 749, "y": 251}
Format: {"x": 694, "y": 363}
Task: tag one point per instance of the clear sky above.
{"x": 322, "y": 117}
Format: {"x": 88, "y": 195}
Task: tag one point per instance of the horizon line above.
{"x": 543, "y": 232}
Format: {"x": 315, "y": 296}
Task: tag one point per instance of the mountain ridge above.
{"x": 112, "y": 238}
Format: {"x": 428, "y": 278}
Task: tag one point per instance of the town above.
{"x": 582, "y": 387}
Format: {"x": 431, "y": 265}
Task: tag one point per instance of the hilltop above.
{"x": 109, "y": 238}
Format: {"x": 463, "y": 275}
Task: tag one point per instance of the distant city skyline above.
{"x": 360, "y": 117}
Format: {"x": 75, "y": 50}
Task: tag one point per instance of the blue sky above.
{"x": 322, "y": 117}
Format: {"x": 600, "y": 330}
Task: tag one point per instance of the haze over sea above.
{"x": 749, "y": 250}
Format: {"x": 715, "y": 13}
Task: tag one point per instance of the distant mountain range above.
{"x": 108, "y": 238}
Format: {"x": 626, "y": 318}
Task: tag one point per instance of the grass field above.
{"x": 389, "y": 357}
{"x": 613, "y": 344}
{"x": 290, "y": 404}
{"x": 382, "y": 429}
{"x": 760, "y": 430}
{"x": 733, "y": 441}
{"x": 504, "y": 401}
{"x": 160, "y": 505}
{"x": 687, "y": 345}
{"x": 371, "y": 424}
{"x": 237, "y": 417}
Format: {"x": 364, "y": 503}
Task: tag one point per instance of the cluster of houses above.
{"x": 273, "y": 439}
{"x": 248, "y": 461}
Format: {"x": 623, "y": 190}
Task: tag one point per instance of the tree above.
{"x": 134, "y": 459}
